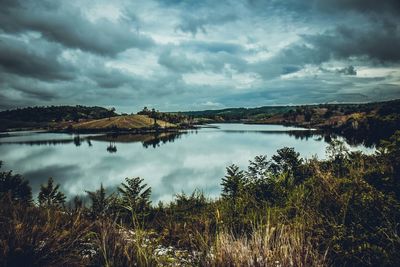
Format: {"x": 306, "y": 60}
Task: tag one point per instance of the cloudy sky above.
{"x": 194, "y": 55}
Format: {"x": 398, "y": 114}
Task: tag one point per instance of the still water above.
{"x": 169, "y": 163}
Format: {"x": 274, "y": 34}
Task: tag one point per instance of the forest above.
{"x": 42, "y": 117}
{"x": 282, "y": 210}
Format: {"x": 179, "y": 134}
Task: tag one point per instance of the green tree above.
{"x": 135, "y": 196}
{"x": 337, "y": 150}
{"x": 50, "y": 196}
{"x": 288, "y": 161}
{"x": 100, "y": 202}
{"x": 258, "y": 168}
{"x": 338, "y": 154}
{"x": 154, "y": 114}
{"x": 328, "y": 113}
{"x": 308, "y": 115}
{"x": 233, "y": 182}
{"x": 190, "y": 203}
{"x": 236, "y": 198}
{"x": 77, "y": 203}
{"x": 390, "y": 152}
{"x": 15, "y": 186}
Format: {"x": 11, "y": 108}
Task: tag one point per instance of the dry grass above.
{"x": 123, "y": 122}
{"x": 116, "y": 246}
{"x": 270, "y": 246}
{"x": 33, "y": 237}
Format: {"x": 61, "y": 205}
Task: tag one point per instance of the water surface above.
{"x": 170, "y": 163}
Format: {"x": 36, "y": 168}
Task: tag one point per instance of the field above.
{"x": 123, "y": 122}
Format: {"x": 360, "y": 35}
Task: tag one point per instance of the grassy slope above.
{"x": 122, "y": 122}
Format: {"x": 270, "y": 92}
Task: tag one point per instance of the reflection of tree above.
{"x": 112, "y": 148}
{"x": 77, "y": 140}
{"x": 302, "y": 135}
{"x": 148, "y": 139}
{"x": 368, "y": 139}
{"x": 159, "y": 139}
{"x": 329, "y": 136}
{"x": 351, "y": 139}
{"x": 89, "y": 142}
{"x": 41, "y": 142}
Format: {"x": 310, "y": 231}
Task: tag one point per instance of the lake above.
{"x": 170, "y": 163}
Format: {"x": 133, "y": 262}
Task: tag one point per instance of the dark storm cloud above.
{"x": 67, "y": 25}
{"x": 377, "y": 42}
{"x": 110, "y": 78}
{"x": 195, "y": 23}
{"x": 178, "y": 62}
{"x": 34, "y": 92}
{"x": 213, "y": 47}
{"x": 350, "y": 70}
{"x": 25, "y": 92}
{"x": 327, "y": 6}
{"x": 214, "y": 56}
{"x": 369, "y": 6}
{"x": 196, "y": 16}
{"x": 37, "y": 59}
{"x": 194, "y": 54}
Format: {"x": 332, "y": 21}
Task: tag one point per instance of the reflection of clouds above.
{"x": 187, "y": 180}
{"x": 61, "y": 175}
{"x": 195, "y": 161}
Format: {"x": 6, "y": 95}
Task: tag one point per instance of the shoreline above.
{"x": 100, "y": 130}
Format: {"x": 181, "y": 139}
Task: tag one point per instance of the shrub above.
{"x": 15, "y": 187}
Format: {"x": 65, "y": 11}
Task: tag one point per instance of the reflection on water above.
{"x": 112, "y": 148}
{"x": 148, "y": 140}
{"x": 169, "y": 162}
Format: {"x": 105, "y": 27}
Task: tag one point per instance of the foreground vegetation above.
{"x": 281, "y": 211}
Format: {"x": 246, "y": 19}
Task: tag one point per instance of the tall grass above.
{"x": 33, "y": 237}
{"x": 117, "y": 246}
{"x": 281, "y": 245}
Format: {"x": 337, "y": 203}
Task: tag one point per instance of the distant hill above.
{"x": 56, "y": 113}
{"x": 127, "y": 122}
{"x": 266, "y": 112}
{"x": 238, "y": 113}
{"x": 38, "y": 117}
